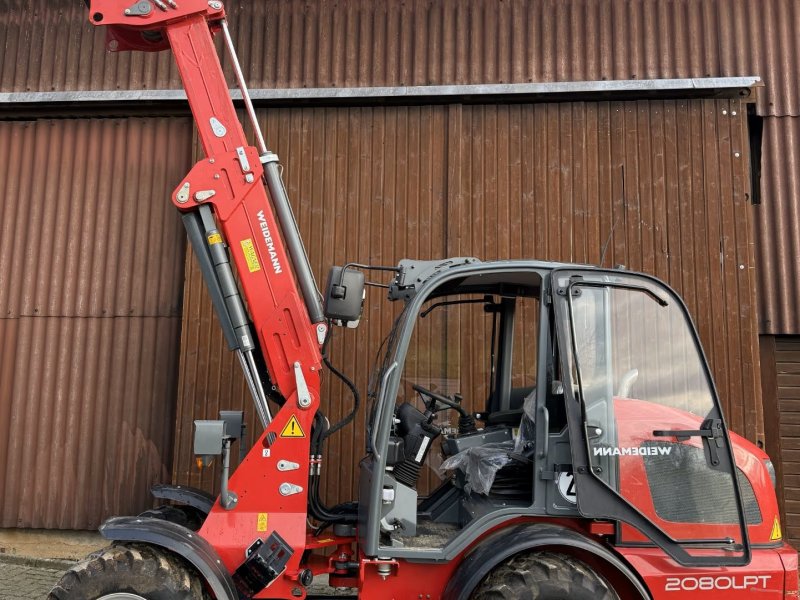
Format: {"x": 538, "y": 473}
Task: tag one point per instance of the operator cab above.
{"x": 460, "y": 440}
{"x": 522, "y": 389}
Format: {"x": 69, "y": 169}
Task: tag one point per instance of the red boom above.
{"x": 230, "y": 179}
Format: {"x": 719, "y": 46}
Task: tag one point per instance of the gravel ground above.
{"x": 25, "y": 579}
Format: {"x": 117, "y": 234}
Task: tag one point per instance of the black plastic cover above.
{"x": 395, "y": 451}
{"x": 265, "y": 561}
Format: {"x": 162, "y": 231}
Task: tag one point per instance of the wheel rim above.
{"x": 121, "y": 596}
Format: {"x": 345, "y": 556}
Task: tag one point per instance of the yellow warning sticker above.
{"x": 250, "y": 255}
{"x": 776, "y": 530}
{"x": 214, "y": 238}
{"x": 293, "y": 429}
{"x": 262, "y": 522}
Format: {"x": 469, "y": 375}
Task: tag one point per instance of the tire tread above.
{"x": 145, "y": 570}
{"x": 543, "y": 576}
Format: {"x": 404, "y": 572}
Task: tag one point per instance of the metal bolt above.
{"x": 733, "y": 113}
{"x": 211, "y": 161}
{"x": 724, "y": 112}
{"x": 127, "y": 11}
{"x": 741, "y": 267}
{"x": 216, "y": 175}
{"x": 384, "y": 570}
{"x": 215, "y": 5}
{"x": 249, "y": 178}
{"x": 736, "y": 154}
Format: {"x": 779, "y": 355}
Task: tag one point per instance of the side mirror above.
{"x": 344, "y": 296}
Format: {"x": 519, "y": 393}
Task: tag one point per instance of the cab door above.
{"x": 649, "y": 443}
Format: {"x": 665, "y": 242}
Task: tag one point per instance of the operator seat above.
{"x": 513, "y": 414}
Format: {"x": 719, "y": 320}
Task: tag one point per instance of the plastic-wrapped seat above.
{"x": 504, "y": 468}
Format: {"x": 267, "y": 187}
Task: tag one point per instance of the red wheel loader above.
{"x": 599, "y": 467}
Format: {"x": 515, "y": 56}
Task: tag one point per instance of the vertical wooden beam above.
{"x": 769, "y": 390}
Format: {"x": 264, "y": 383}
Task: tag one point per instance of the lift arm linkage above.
{"x": 284, "y": 307}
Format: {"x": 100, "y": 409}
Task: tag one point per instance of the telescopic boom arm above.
{"x": 234, "y": 205}
{"x": 241, "y": 185}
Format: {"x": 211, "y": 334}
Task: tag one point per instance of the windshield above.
{"x": 631, "y": 344}
{"x": 389, "y": 349}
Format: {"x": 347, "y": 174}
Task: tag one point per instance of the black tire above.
{"x": 543, "y": 576}
{"x": 188, "y": 516}
{"x": 144, "y": 571}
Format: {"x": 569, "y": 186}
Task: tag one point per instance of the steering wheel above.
{"x": 438, "y": 398}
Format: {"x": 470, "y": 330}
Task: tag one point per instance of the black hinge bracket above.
{"x": 710, "y": 431}
{"x": 557, "y": 469}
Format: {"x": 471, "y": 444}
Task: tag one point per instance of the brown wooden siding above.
{"x": 91, "y": 272}
{"x": 660, "y": 186}
{"x": 781, "y": 358}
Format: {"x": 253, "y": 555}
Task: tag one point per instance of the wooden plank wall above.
{"x": 660, "y": 186}
{"x": 781, "y": 359}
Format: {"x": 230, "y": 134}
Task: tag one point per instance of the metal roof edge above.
{"x": 633, "y": 88}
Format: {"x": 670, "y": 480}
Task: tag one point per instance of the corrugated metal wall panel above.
{"x": 655, "y": 185}
{"x": 50, "y": 46}
{"x": 320, "y": 43}
{"x": 778, "y": 227}
{"x": 79, "y": 235}
{"x": 91, "y": 267}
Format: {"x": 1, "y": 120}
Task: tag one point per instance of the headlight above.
{"x": 771, "y": 470}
